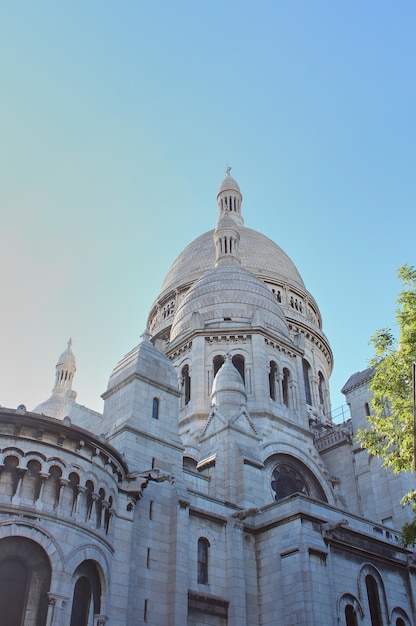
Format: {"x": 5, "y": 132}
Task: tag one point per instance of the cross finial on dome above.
{"x": 228, "y": 170}
{"x": 69, "y": 343}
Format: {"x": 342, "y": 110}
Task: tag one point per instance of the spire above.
{"x": 229, "y": 199}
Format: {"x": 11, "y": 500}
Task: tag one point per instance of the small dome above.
{"x": 228, "y": 184}
{"x": 229, "y": 295}
{"x": 67, "y": 358}
{"x": 228, "y": 390}
{"x": 228, "y": 378}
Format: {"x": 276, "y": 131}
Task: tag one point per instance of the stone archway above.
{"x": 25, "y": 576}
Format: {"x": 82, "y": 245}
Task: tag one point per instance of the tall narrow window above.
{"x": 217, "y": 363}
{"x": 239, "y": 364}
{"x": 10, "y": 476}
{"x": 73, "y": 489}
{"x": 350, "y": 616}
{"x": 99, "y": 507}
{"x": 89, "y": 490}
{"x": 285, "y": 386}
{"x": 367, "y": 409}
{"x": 155, "y": 408}
{"x": 203, "y": 546}
{"x": 272, "y": 379}
{"x": 373, "y": 601}
{"x": 306, "y": 380}
{"x": 186, "y": 384}
{"x": 321, "y": 388}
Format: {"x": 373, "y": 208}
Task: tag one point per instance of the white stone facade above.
{"x": 214, "y": 489}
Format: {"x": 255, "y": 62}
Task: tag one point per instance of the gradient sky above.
{"x": 117, "y": 121}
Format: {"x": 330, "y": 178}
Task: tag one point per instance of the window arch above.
{"x": 307, "y": 382}
{"x": 155, "y": 408}
{"x": 203, "y": 549}
{"x": 186, "y": 384}
{"x": 239, "y": 364}
{"x": 272, "y": 380}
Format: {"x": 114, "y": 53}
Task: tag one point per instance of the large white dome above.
{"x": 258, "y": 254}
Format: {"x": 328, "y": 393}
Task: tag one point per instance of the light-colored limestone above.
{"x": 296, "y": 516}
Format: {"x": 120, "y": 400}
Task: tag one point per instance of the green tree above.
{"x": 390, "y": 432}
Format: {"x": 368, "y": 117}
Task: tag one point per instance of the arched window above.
{"x": 400, "y": 622}
{"x": 350, "y": 616}
{"x": 73, "y": 487}
{"x": 217, "y": 363}
{"x": 9, "y": 475}
{"x": 272, "y": 379}
{"x": 306, "y": 380}
{"x": 239, "y": 364}
{"x": 86, "y": 600}
{"x": 186, "y": 384}
{"x": 203, "y": 546}
{"x": 373, "y": 601}
{"x": 285, "y": 386}
{"x": 155, "y": 408}
{"x": 52, "y": 487}
{"x": 32, "y": 481}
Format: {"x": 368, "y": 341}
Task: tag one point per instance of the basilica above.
{"x": 216, "y": 488}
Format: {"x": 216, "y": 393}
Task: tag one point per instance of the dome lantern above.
{"x": 229, "y": 199}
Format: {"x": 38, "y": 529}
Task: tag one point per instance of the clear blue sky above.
{"x": 117, "y": 120}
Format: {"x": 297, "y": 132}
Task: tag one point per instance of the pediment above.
{"x": 216, "y": 423}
